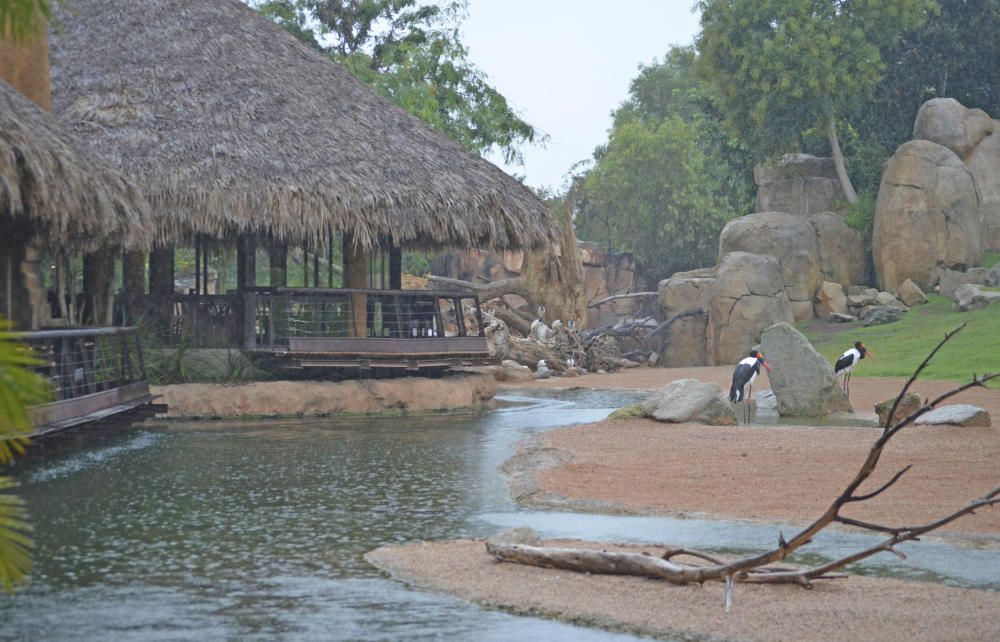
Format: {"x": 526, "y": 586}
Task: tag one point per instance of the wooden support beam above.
{"x": 356, "y": 277}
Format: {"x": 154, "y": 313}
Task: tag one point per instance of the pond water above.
{"x": 257, "y": 530}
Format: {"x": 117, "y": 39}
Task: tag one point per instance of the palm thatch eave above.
{"x": 233, "y": 126}
{"x": 49, "y": 181}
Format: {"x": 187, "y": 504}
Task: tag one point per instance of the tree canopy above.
{"x": 412, "y": 53}
{"x": 782, "y": 67}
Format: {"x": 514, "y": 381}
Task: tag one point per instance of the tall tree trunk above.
{"x": 98, "y": 286}
{"x": 133, "y": 285}
{"x": 838, "y": 162}
{"x": 555, "y": 277}
{"x": 25, "y": 66}
{"x": 356, "y": 277}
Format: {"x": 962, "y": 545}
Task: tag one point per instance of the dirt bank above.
{"x": 311, "y": 398}
{"x": 768, "y": 474}
{"x": 858, "y": 608}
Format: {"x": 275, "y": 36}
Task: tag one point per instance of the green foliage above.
{"x": 861, "y": 218}
{"x": 416, "y": 263}
{"x": 412, "y": 53}
{"x": 990, "y": 259}
{"x": 20, "y": 388}
{"x": 900, "y": 347}
{"x": 628, "y": 412}
{"x": 669, "y": 176}
{"x": 20, "y": 19}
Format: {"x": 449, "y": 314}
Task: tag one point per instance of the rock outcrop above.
{"x": 792, "y": 241}
{"x": 830, "y": 300}
{"x": 911, "y": 294}
{"x": 802, "y": 380}
{"x": 927, "y": 216}
{"x": 951, "y": 280}
{"x": 688, "y": 338}
{"x": 749, "y": 296}
{"x": 690, "y": 401}
{"x": 907, "y": 406}
{"x": 984, "y": 164}
{"x": 949, "y": 123}
{"x": 841, "y": 249}
{"x": 309, "y": 398}
{"x": 798, "y": 184}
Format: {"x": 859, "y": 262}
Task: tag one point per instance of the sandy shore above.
{"x": 787, "y": 474}
{"x": 858, "y": 608}
{"x": 770, "y": 474}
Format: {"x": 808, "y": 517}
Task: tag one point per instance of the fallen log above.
{"x": 489, "y": 291}
{"x": 632, "y": 295}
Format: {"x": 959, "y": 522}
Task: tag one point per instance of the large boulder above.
{"x": 749, "y": 296}
{"x": 984, "y": 165}
{"x": 798, "y": 184}
{"x": 690, "y": 401}
{"x": 802, "y": 380}
{"x": 880, "y": 315}
{"x": 911, "y": 294}
{"x": 907, "y": 406}
{"x": 791, "y": 240}
{"x": 947, "y": 122}
{"x": 688, "y": 336}
{"x": 959, "y": 414}
{"x": 841, "y": 249}
{"x": 993, "y": 276}
{"x": 927, "y": 216}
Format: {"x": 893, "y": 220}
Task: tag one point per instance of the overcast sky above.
{"x": 566, "y": 64}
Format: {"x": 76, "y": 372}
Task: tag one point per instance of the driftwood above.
{"x": 757, "y": 568}
{"x": 489, "y": 291}
{"x": 632, "y": 295}
{"x": 513, "y": 319}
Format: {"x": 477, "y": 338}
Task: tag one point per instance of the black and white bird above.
{"x": 744, "y": 375}
{"x": 845, "y": 364}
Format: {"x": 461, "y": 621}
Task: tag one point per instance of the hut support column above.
{"x": 98, "y": 286}
{"x": 246, "y": 277}
{"x": 279, "y": 279}
{"x": 161, "y": 283}
{"x": 133, "y": 285}
{"x": 356, "y": 278}
{"x": 279, "y": 265}
{"x": 395, "y": 267}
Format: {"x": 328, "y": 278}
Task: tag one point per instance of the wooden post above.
{"x": 356, "y": 277}
{"x": 395, "y": 267}
{"x": 98, "y": 286}
{"x": 246, "y": 277}
{"x": 279, "y": 265}
{"x": 133, "y": 285}
{"x": 161, "y": 284}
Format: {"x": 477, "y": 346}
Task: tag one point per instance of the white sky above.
{"x": 564, "y": 65}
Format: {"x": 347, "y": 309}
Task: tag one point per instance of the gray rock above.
{"x": 798, "y": 184}
{"x": 842, "y": 318}
{"x": 861, "y": 300}
{"x": 688, "y": 336}
{"x": 841, "y": 249}
{"x": 971, "y": 297}
{"x": 951, "y": 280}
{"x": 513, "y": 371}
{"x": 993, "y": 276}
{"x": 880, "y": 315}
{"x": 983, "y": 163}
{"x": 802, "y": 380}
{"x": 690, "y": 401}
{"x": 956, "y": 415}
{"x": 884, "y": 298}
{"x": 766, "y": 400}
{"x": 908, "y": 405}
{"x": 911, "y": 294}
{"x": 858, "y": 290}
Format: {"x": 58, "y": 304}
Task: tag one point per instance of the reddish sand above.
{"x": 776, "y": 473}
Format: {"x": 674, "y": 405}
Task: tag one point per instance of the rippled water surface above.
{"x": 256, "y": 530}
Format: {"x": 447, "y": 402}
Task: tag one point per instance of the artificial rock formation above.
{"x": 749, "y": 296}
{"x": 947, "y": 122}
{"x": 910, "y": 294}
{"x": 789, "y": 239}
{"x": 802, "y": 380}
{"x": 927, "y": 217}
{"x": 798, "y": 184}
{"x": 984, "y": 164}
{"x": 830, "y": 300}
{"x": 688, "y": 340}
{"x": 841, "y": 249}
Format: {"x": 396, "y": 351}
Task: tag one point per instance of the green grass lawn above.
{"x": 900, "y": 347}
{"x": 990, "y": 259}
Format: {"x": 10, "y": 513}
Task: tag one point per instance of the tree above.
{"x": 412, "y": 53}
{"x": 782, "y": 67}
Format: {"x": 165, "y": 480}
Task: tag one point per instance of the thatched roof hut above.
{"x": 49, "y": 180}
{"x": 232, "y": 125}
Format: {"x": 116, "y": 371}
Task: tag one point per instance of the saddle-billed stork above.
{"x": 744, "y": 375}
{"x": 845, "y": 364}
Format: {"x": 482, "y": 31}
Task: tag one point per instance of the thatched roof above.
{"x": 230, "y": 124}
{"x": 48, "y": 178}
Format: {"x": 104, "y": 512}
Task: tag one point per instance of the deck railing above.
{"x": 84, "y": 361}
{"x": 275, "y": 316}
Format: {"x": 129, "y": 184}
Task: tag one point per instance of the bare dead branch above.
{"x": 883, "y": 488}
{"x": 916, "y": 373}
{"x": 632, "y": 295}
